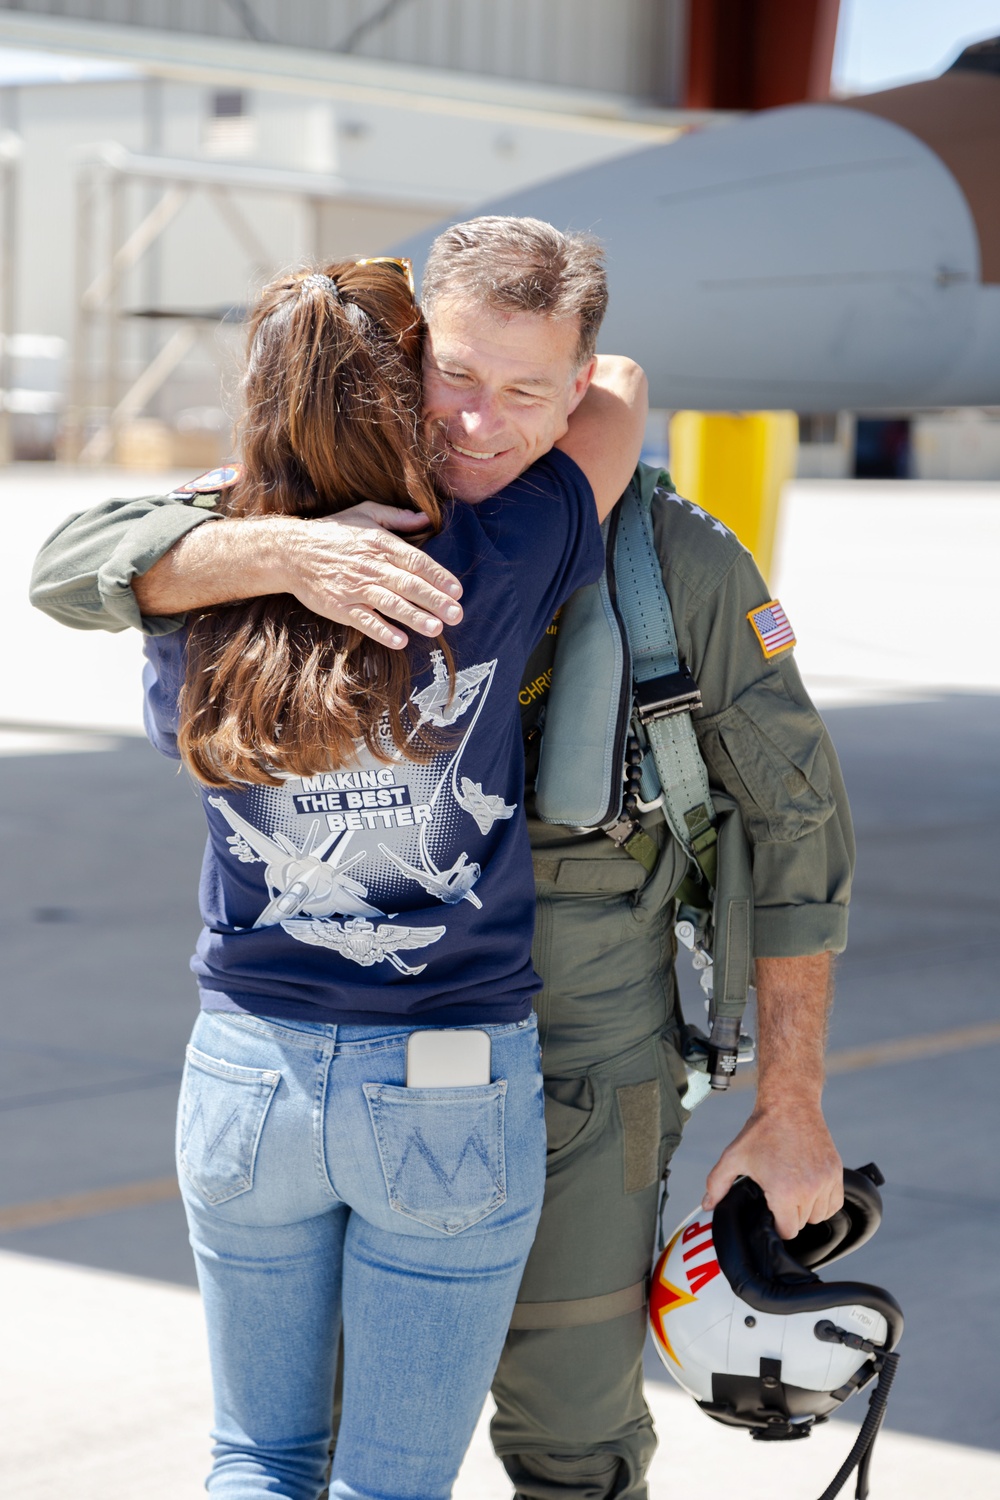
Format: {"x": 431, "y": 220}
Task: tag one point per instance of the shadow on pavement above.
{"x": 99, "y": 915}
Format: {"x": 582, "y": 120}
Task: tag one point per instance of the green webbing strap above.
{"x": 645, "y": 609}
{"x": 581, "y": 1312}
{"x": 711, "y": 832}
{"x": 585, "y": 876}
{"x": 642, "y": 846}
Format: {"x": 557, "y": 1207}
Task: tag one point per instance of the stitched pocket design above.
{"x": 769, "y": 751}
{"x": 223, "y": 1108}
{"x": 576, "y": 1111}
{"x": 441, "y": 1151}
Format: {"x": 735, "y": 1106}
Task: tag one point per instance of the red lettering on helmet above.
{"x": 693, "y": 1231}
{"x": 699, "y": 1276}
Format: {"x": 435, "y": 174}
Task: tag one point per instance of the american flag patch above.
{"x": 771, "y": 627}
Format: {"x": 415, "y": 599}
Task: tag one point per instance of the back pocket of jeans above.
{"x": 441, "y": 1151}
{"x": 223, "y": 1108}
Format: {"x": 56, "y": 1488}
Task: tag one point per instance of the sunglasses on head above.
{"x": 403, "y": 265}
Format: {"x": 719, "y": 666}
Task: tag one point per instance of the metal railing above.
{"x": 102, "y": 398}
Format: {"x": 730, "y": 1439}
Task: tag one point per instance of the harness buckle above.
{"x": 620, "y": 833}
{"x": 661, "y": 697}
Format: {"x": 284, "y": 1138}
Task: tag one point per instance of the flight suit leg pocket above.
{"x": 576, "y": 1110}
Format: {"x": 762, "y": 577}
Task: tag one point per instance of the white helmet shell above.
{"x": 702, "y": 1328}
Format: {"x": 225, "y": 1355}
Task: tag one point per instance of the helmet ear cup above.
{"x": 819, "y": 1244}
{"x": 754, "y": 1258}
{"x": 850, "y": 1227}
{"x": 762, "y": 1270}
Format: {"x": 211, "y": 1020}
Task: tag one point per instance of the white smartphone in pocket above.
{"x": 452, "y": 1059}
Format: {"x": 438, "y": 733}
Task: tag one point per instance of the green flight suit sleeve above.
{"x": 762, "y": 739}
{"x": 83, "y": 574}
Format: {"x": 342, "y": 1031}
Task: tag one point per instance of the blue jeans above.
{"x": 313, "y": 1179}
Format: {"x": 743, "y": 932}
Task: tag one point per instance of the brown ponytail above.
{"x": 331, "y": 418}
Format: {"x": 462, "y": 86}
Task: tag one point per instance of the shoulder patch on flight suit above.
{"x": 203, "y": 490}
{"x": 771, "y": 627}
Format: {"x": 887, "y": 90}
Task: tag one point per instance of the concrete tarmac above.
{"x": 101, "y": 843}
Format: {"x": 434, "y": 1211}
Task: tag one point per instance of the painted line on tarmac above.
{"x": 46, "y": 1211}
{"x": 903, "y": 1049}
{"x": 86, "y": 1205}
{"x": 92, "y": 1090}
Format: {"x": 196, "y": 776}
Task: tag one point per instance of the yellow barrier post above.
{"x": 735, "y": 464}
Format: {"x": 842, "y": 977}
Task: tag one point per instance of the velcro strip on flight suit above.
{"x": 736, "y": 969}
{"x": 639, "y": 1104}
{"x": 581, "y": 1312}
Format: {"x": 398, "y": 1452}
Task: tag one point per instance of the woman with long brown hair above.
{"x": 367, "y": 881}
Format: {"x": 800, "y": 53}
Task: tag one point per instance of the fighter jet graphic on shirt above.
{"x": 364, "y": 943}
{"x": 443, "y": 701}
{"x": 483, "y": 806}
{"x": 302, "y": 882}
{"x": 449, "y": 886}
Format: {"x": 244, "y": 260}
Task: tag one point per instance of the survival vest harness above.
{"x": 620, "y": 697}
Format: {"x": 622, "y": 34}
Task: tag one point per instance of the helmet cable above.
{"x": 860, "y": 1455}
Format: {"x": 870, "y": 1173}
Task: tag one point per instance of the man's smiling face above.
{"x": 498, "y": 391}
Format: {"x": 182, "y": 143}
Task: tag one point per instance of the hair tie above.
{"x": 321, "y": 282}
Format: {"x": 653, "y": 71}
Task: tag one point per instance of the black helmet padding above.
{"x": 850, "y": 1227}
{"x": 768, "y": 1273}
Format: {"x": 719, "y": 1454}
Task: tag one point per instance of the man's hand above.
{"x": 789, "y": 1153}
{"x": 785, "y": 1146}
{"x": 354, "y": 570}
{"x": 351, "y": 568}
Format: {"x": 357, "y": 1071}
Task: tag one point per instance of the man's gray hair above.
{"x": 521, "y": 265}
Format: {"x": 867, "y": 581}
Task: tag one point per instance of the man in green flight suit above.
{"x": 571, "y": 1421}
